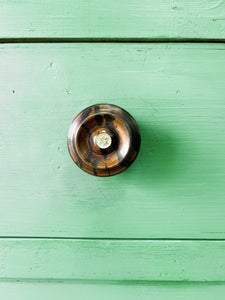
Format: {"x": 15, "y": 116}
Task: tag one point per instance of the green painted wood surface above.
{"x": 130, "y": 260}
{"x": 111, "y": 291}
{"x": 175, "y": 188}
{"x": 113, "y": 19}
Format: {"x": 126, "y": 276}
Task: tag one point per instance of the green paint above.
{"x": 118, "y": 260}
{"x": 113, "y": 19}
{"x": 175, "y": 188}
{"x": 110, "y": 291}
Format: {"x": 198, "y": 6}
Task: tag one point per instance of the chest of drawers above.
{"x": 157, "y": 229}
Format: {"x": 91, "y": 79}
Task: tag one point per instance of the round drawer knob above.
{"x": 103, "y": 140}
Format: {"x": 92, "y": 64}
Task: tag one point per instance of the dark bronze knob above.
{"x": 103, "y": 140}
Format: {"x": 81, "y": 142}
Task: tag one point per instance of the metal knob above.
{"x": 103, "y": 140}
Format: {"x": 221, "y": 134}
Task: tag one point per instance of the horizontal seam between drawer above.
{"x": 109, "y": 40}
{"x": 112, "y": 239}
{"x": 116, "y": 282}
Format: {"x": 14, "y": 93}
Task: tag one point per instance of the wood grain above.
{"x": 175, "y": 188}
{"x": 113, "y": 19}
{"x": 123, "y": 260}
{"x": 120, "y": 127}
{"x": 111, "y": 290}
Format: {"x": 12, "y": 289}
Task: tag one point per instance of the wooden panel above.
{"x": 175, "y": 188}
{"x": 112, "y": 259}
{"x": 113, "y": 19}
{"x": 110, "y": 291}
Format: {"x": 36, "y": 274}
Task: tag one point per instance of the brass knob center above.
{"x": 103, "y": 140}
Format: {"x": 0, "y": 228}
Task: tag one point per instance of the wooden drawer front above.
{"x": 110, "y": 290}
{"x": 117, "y": 260}
{"x": 175, "y": 188}
{"x": 161, "y": 19}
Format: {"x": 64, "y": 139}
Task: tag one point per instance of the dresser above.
{"x": 157, "y": 229}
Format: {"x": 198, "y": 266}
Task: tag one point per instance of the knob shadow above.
{"x": 161, "y": 159}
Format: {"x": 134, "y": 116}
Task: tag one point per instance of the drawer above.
{"x": 118, "y": 260}
{"x": 104, "y": 19}
{"x": 110, "y": 290}
{"x": 175, "y": 188}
